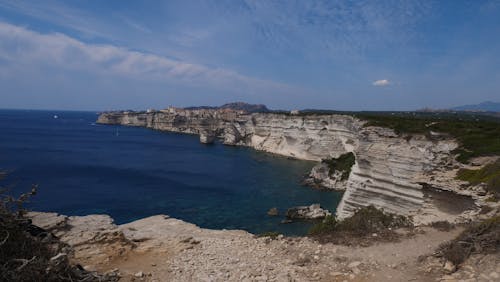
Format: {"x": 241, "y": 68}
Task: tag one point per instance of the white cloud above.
{"x": 19, "y": 45}
{"x": 381, "y": 82}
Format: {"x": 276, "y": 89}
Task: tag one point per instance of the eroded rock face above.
{"x": 388, "y": 169}
{"x": 207, "y": 137}
{"x": 302, "y": 137}
{"x": 91, "y": 236}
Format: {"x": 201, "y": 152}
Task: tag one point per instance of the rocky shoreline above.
{"x": 389, "y": 170}
{"x": 410, "y": 175}
{"x": 160, "y": 248}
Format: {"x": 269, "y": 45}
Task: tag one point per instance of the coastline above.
{"x": 160, "y": 248}
{"x": 389, "y": 172}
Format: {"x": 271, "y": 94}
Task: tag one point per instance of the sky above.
{"x": 342, "y": 55}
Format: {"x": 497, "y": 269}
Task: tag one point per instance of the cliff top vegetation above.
{"x": 478, "y": 135}
{"x": 489, "y": 174}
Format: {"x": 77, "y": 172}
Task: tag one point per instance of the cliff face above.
{"x": 307, "y": 138}
{"x": 388, "y": 170}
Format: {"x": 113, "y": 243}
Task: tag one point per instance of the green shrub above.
{"x": 343, "y": 164}
{"x": 489, "y": 174}
{"x": 365, "y": 221}
{"x": 477, "y": 135}
{"x": 327, "y": 225}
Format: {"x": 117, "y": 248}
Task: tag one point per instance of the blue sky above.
{"x": 345, "y": 55}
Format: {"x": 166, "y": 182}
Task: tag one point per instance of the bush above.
{"x": 364, "y": 222}
{"x": 442, "y": 225}
{"x": 477, "y": 135}
{"x": 29, "y": 253}
{"x": 489, "y": 174}
{"x": 343, "y": 164}
{"x": 327, "y": 225}
{"x": 481, "y": 237}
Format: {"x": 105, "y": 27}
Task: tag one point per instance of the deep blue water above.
{"x": 130, "y": 173}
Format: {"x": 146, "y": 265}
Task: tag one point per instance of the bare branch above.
{"x": 24, "y": 262}
{"x": 6, "y": 237}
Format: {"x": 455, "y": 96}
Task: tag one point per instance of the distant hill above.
{"x": 238, "y": 106}
{"x": 487, "y": 106}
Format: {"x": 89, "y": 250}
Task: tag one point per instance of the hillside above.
{"x": 487, "y": 106}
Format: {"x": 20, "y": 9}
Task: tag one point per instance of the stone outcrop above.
{"x": 90, "y": 236}
{"x": 313, "y": 211}
{"x": 388, "y": 172}
{"x": 161, "y": 248}
{"x": 207, "y": 137}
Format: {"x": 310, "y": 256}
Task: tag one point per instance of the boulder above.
{"x": 273, "y": 212}
{"x": 313, "y": 211}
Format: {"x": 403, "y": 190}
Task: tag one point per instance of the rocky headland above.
{"x": 399, "y": 173}
{"x": 411, "y": 175}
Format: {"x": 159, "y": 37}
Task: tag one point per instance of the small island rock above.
{"x": 313, "y": 211}
{"x": 273, "y": 212}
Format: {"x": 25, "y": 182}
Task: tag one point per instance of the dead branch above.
{"x": 6, "y": 237}
{"x": 24, "y": 262}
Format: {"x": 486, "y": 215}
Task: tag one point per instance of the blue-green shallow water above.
{"x": 131, "y": 173}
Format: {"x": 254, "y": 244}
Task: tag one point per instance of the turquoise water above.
{"x": 130, "y": 173}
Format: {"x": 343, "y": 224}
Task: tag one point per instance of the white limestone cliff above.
{"x": 388, "y": 171}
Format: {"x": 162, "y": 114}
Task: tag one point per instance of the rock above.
{"x": 139, "y": 274}
{"x": 388, "y": 166}
{"x": 231, "y": 135}
{"x": 494, "y": 275}
{"x": 313, "y": 211}
{"x": 207, "y": 137}
{"x": 354, "y": 264}
{"x": 320, "y": 177}
{"x": 48, "y": 221}
{"x": 449, "y": 267}
{"x": 58, "y": 258}
{"x": 273, "y": 212}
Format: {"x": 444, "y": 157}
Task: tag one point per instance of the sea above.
{"x": 129, "y": 173}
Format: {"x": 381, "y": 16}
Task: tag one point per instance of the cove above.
{"x": 131, "y": 173}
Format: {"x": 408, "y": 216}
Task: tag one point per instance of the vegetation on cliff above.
{"x": 489, "y": 174}
{"x": 477, "y": 135}
{"x": 342, "y": 164}
{"x": 363, "y": 223}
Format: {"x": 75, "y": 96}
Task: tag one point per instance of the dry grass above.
{"x": 481, "y": 237}
{"x": 442, "y": 225}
